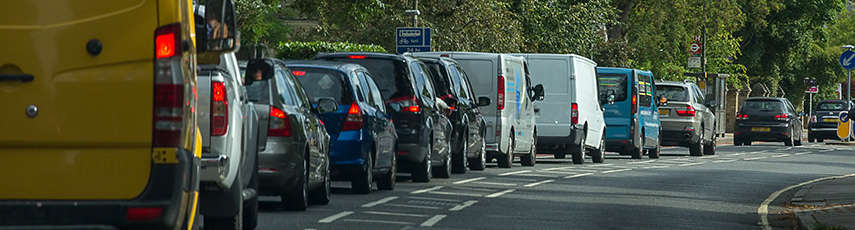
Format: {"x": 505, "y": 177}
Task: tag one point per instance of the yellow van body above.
{"x": 77, "y": 82}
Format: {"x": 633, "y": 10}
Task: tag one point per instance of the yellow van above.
{"x": 97, "y": 119}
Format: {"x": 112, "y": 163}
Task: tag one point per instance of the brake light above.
{"x": 354, "y": 118}
{"x": 444, "y": 55}
{"x": 741, "y": 116}
{"x": 143, "y": 214}
{"x": 500, "y": 94}
{"x": 634, "y": 103}
{"x": 219, "y": 109}
{"x": 574, "y": 113}
{"x": 688, "y": 112}
{"x": 169, "y": 89}
{"x": 408, "y": 103}
{"x": 356, "y": 57}
{"x": 299, "y": 73}
{"x": 782, "y": 117}
{"x": 280, "y": 124}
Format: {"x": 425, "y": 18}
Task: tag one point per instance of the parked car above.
{"x": 294, "y": 163}
{"x": 823, "y": 122}
{"x": 511, "y": 127}
{"x": 687, "y": 120}
{"x": 362, "y": 136}
{"x": 228, "y": 125}
{"x": 768, "y": 119}
{"x": 570, "y": 118}
{"x": 632, "y": 120}
{"x": 467, "y": 135}
{"x": 422, "y": 129}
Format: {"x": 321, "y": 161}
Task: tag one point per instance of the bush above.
{"x": 307, "y": 50}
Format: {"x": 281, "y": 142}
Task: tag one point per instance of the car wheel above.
{"x": 798, "y": 139}
{"x": 322, "y": 195}
{"x": 697, "y": 149}
{"x": 709, "y": 148}
{"x": 789, "y": 140}
{"x": 530, "y": 159}
{"x": 298, "y": 198}
{"x": 811, "y": 138}
{"x": 250, "y": 207}
{"x": 654, "y": 153}
{"x": 362, "y": 184}
{"x": 479, "y": 163}
{"x": 599, "y": 155}
{"x": 224, "y": 222}
{"x": 579, "y": 153}
{"x": 506, "y": 160}
{"x": 459, "y": 161}
{"x": 387, "y": 182}
{"x": 820, "y": 140}
{"x": 444, "y": 170}
{"x": 421, "y": 172}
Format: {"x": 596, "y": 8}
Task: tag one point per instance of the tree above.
{"x": 563, "y": 26}
{"x": 258, "y": 22}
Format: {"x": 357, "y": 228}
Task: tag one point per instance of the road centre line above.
{"x": 394, "y": 214}
{"x": 690, "y": 164}
{"x": 412, "y": 206}
{"x": 494, "y": 195}
{"x": 709, "y": 156}
{"x": 512, "y": 173}
{"x": 615, "y": 170}
{"x": 462, "y": 206}
{"x": 379, "y": 221}
{"x": 434, "y": 199}
{"x": 469, "y": 180}
{"x": 578, "y": 175}
{"x": 826, "y": 150}
{"x": 426, "y": 190}
{"x": 753, "y": 158}
{"x": 332, "y": 218}
{"x": 455, "y": 194}
{"x": 494, "y": 183}
{"x": 379, "y": 202}
{"x": 537, "y": 183}
{"x": 660, "y": 166}
{"x": 563, "y": 172}
{"x": 558, "y": 168}
{"x": 571, "y": 170}
{"x": 600, "y": 165}
{"x": 433, "y": 220}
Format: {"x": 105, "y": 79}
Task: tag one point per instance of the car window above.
{"x": 762, "y": 105}
{"x": 377, "y": 99}
{"x": 831, "y": 106}
{"x": 439, "y": 79}
{"x": 319, "y": 82}
{"x": 613, "y": 81}
{"x": 283, "y": 89}
{"x": 367, "y": 93}
{"x": 425, "y": 87}
{"x": 301, "y": 98}
{"x": 391, "y": 76}
{"x": 673, "y": 92}
{"x": 463, "y": 87}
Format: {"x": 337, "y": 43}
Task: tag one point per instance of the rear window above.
{"x": 673, "y": 93}
{"x": 390, "y": 75}
{"x": 481, "y": 76}
{"x": 259, "y": 91}
{"x": 762, "y": 106}
{"x": 831, "y": 106}
{"x": 323, "y": 83}
{"x": 613, "y": 81}
{"x": 440, "y": 79}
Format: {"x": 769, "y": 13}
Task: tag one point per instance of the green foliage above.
{"x": 563, "y": 26}
{"x": 307, "y": 50}
{"x": 258, "y": 22}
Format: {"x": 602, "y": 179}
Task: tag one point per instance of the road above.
{"x": 722, "y": 191}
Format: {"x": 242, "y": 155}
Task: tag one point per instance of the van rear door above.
{"x": 554, "y": 74}
{"x": 78, "y": 125}
{"x": 483, "y": 75}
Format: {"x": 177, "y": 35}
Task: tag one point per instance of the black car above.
{"x": 420, "y": 125}
{"x": 467, "y": 136}
{"x": 823, "y": 123}
{"x": 768, "y": 119}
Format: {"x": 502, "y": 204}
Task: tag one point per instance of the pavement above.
{"x": 828, "y": 202}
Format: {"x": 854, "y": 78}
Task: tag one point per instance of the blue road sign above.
{"x": 412, "y": 39}
{"x": 847, "y": 59}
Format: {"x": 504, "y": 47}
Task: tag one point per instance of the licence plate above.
{"x": 830, "y": 120}
{"x": 664, "y": 112}
{"x": 761, "y": 129}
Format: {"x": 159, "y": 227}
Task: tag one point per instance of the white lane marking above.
{"x": 782, "y": 155}
{"x": 537, "y": 183}
{"x": 433, "y": 220}
{"x": 332, "y": 218}
{"x": 536, "y": 175}
{"x": 434, "y": 199}
{"x": 690, "y": 164}
{"x": 827, "y": 150}
{"x": 562, "y": 172}
{"x": 578, "y": 175}
{"x": 641, "y": 162}
{"x": 426, "y": 190}
{"x": 763, "y": 210}
{"x": 512, "y": 173}
{"x": 754, "y": 158}
{"x": 712, "y": 156}
{"x": 558, "y": 168}
{"x": 798, "y": 154}
{"x": 615, "y": 170}
{"x": 412, "y": 206}
{"x": 379, "y": 202}
{"x": 394, "y": 214}
{"x": 724, "y": 161}
{"x": 462, "y": 206}
{"x": 469, "y": 180}
{"x": 379, "y": 221}
{"x": 660, "y": 166}
{"x": 455, "y": 194}
{"x": 476, "y": 189}
{"x": 494, "y": 195}
{"x": 495, "y": 183}
{"x": 568, "y": 170}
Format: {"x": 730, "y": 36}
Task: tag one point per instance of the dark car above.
{"x": 362, "y": 138}
{"x": 687, "y": 119}
{"x": 467, "y": 135}
{"x": 768, "y": 119}
{"x": 295, "y": 161}
{"x": 420, "y": 125}
{"x": 823, "y": 123}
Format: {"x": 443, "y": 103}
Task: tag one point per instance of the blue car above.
{"x": 632, "y": 114}
{"x": 362, "y": 135}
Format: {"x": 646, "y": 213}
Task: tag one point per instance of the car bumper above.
{"x": 278, "y": 166}
{"x": 549, "y": 144}
{"x": 679, "y": 138}
{"x": 776, "y": 133}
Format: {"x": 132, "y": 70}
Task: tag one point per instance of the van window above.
{"x": 481, "y": 76}
{"x": 324, "y": 83}
{"x": 673, "y": 93}
{"x": 391, "y": 76}
{"x": 613, "y": 81}
{"x": 644, "y": 90}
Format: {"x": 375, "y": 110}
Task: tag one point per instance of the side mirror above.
{"x": 483, "y": 101}
{"x": 662, "y": 100}
{"x": 538, "y": 92}
{"x": 220, "y": 34}
{"x": 326, "y": 105}
{"x": 394, "y": 107}
{"x": 712, "y": 103}
{"x": 451, "y": 102}
{"x": 257, "y": 70}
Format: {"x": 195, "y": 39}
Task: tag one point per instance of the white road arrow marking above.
{"x": 848, "y": 61}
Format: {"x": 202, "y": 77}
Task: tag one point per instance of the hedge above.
{"x": 307, "y": 50}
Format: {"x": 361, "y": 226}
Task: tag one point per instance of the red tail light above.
{"x": 143, "y": 214}
{"x": 408, "y": 103}
{"x": 782, "y": 117}
{"x": 634, "y": 103}
{"x": 219, "y": 109}
{"x": 574, "y": 113}
{"x": 356, "y": 57}
{"x": 741, "y": 116}
{"x": 169, "y": 89}
{"x": 444, "y": 55}
{"x": 280, "y": 124}
{"x": 500, "y": 97}
{"x": 354, "y": 118}
{"x": 688, "y": 112}
{"x": 299, "y": 73}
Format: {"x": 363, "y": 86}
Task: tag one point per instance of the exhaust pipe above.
{"x": 687, "y": 135}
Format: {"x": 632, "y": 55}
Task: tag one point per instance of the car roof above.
{"x": 765, "y": 98}
{"x": 341, "y": 66}
{"x": 832, "y": 100}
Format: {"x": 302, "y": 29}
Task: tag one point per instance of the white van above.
{"x": 570, "y": 119}
{"x": 511, "y": 126}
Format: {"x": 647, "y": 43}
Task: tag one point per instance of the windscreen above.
{"x": 613, "y": 81}
{"x": 323, "y": 83}
{"x": 831, "y": 106}
{"x": 673, "y": 93}
{"x": 762, "y": 106}
{"x": 390, "y": 75}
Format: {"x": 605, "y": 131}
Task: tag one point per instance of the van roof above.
{"x": 622, "y": 70}
{"x": 527, "y": 55}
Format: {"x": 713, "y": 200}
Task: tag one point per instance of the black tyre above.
{"x": 531, "y": 158}
{"x": 506, "y": 160}
{"x": 298, "y": 198}
{"x": 697, "y": 149}
{"x": 820, "y": 140}
{"x": 250, "y": 207}
{"x": 746, "y": 142}
{"x": 387, "y": 182}
{"x": 362, "y": 184}
{"x": 578, "y": 154}
{"x": 654, "y": 153}
{"x": 479, "y": 163}
{"x": 322, "y": 195}
{"x": 444, "y": 170}
{"x": 798, "y": 139}
{"x": 421, "y": 171}
{"x": 598, "y": 155}
{"x": 709, "y": 148}
{"x": 459, "y": 160}
{"x": 811, "y": 138}
{"x": 559, "y": 155}
{"x": 223, "y": 222}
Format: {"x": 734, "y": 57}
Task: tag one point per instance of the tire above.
{"x": 820, "y": 140}
{"x": 709, "y": 148}
{"x": 444, "y": 170}
{"x": 387, "y": 182}
{"x": 250, "y": 207}
{"x": 479, "y": 163}
{"x": 421, "y": 171}
{"x": 579, "y": 154}
{"x": 746, "y": 142}
{"x": 598, "y": 155}
{"x": 361, "y": 184}
{"x": 531, "y": 158}
{"x": 697, "y": 149}
{"x": 459, "y": 161}
{"x": 224, "y": 222}
{"x": 811, "y": 138}
{"x": 559, "y": 155}
{"x": 798, "y": 139}
{"x": 321, "y": 195}
{"x": 789, "y": 140}
{"x": 654, "y": 153}
{"x": 298, "y": 198}
{"x": 508, "y": 159}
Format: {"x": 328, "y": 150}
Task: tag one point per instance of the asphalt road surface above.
{"x": 721, "y": 191}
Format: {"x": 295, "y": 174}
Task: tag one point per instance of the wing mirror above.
{"x": 326, "y": 105}
{"x": 712, "y": 103}
{"x": 483, "y": 101}
{"x": 218, "y": 28}
{"x": 538, "y": 92}
{"x": 258, "y": 70}
{"x": 451, "y": 102}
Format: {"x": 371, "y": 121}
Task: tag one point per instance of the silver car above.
{"x": 687, "y": 119}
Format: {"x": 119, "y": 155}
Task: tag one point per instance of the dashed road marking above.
{"x": 799, "y": 154}
{"x": 395, "y": 214}
{"x": 754, "y": 158}
{"x": 537, "y": 183}
{"x": 412, "y": 206}
{"x": 705, "y": 157}
{"x": 725, "y": 161}
{"x": 426, "y": 190}
{"x": 578, "y": 175}
{"x": 434, "y": 199}
{"x": 494, "y": 183}
{"x": 433, "y": 220}
{"x": 379, "y": 221}
{"x": 536, "y": 175}
{"x": 494, "y": 195}
{"x": 469, "y": 180}
{"x": 615, "y": 170}
{"x": 475, "y": 189}
{"x": 379, "y": 202}
{"x": 512, "y": 173}
{"x": 778, "y": 156}
{"x": 641, "y": 162}
{"x": 827, "y": 150}
{"x": 690, "y": 164}
{"x": 332, "y": 218}
{"x": 455, "y": 194}
{"x": 462, "y": 206}
{"x": 601, "y": 165}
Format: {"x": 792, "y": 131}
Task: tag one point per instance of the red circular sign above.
{"x": 696, "y": 48}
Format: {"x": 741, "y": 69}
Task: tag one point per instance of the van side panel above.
{"x": 618, "y": 116}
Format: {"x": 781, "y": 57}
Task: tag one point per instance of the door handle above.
{"x": 22, "y": 77}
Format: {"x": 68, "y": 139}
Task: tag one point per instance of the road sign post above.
{"x": 847, "y": 60}
{"x": 413, "y": 39}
